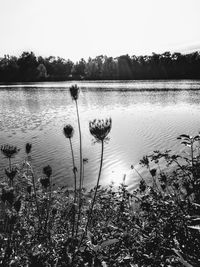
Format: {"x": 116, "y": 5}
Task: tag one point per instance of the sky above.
{"x": 78, "y": 29}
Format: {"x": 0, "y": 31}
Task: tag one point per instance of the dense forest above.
{"x": 28, "y": 67}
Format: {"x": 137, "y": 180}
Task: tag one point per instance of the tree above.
{"x": 78, "y": 70}
{"x": 28, "y": 67}
{"x": 42, "y": 72}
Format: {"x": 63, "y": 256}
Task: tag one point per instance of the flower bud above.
{"x": 74, "y": 91}
{"x": 68, "y": 131}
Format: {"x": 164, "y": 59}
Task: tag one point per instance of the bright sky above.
{"x": 82, "y": 28}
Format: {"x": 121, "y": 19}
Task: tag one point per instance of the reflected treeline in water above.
{"x": 143, "y": 120}
{"x": 29, "y": 68}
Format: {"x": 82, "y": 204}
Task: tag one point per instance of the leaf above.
{"x": 180, "y": 258}
{"x": 185, "y": 143}
{"x": 113, "y": 226}
{"x": 128, "y": 257}
{"x": 89, "y": 236}
{"x": 109, "y": 242}
{"x": 197, "y": 137}
{"x": 196, "y": 227}
{"x": 183, "y": 136}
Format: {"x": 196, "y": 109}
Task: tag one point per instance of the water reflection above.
{"x": 143, "y": 120}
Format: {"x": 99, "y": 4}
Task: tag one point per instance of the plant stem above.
{"x": 10, "y": 166}
{"x": 95, "y": 193}
{"x": 9, "y": 163}
{"x": 81, "y": 162}
{"x": 80, "y": 138}
{"x": 192, "y": 158}
{"x": 94, "y": 198}
{"x": 36, "y": 201}
{"x": 74, "y": 171}
{"x": 48, "y": 207}
{"x": 187, "y": 174}
{"x": 138, "y": 172}
{"x": 82, "y": 177}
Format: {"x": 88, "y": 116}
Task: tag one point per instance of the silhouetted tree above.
{"x": 157, "y": 66}
{"x": 109, "y": 69}
{"x": 9, "y": 69}
{"x": 78, "y": 70}
{"x": 124, "y": 68}
{"x": 28, "y": 64}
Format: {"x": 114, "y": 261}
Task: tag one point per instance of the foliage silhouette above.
{"x": 167, "y": 65}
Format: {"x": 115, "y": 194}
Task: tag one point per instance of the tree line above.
{"x": 29, "y": 68}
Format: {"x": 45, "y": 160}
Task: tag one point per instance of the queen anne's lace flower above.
{"x": 9, "y": 151}
{"x": 100, "y": 128}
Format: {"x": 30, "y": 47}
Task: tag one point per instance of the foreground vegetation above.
{"x": 28, "y": 67}
{"x": 157, "y": 224}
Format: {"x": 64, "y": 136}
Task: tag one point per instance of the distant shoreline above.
{"x": 96, "y": 81}
{"x": 110, "y": 85}
{"x": 165, "y": 66}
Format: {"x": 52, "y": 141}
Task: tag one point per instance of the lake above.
{"x": 146, "y": 116}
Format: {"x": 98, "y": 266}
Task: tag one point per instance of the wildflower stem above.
{"x": 74, "y": 171}
{"x": 10, "y": 168}
{"x": 35, "y": 195}
{"x": 137, "y": 172}
{"x": 48, "y": 206}
{"x": 81, "y": 162}
{"x": 94, "y": 198}
{"x": 80, "y": 137}
{"x": 74, "y": 168}
{"x": 97, "y": 185}
{"x": 9, "y": 163}
{"x": 181, "y": 167}
{"x": 192, "y": 158}
{"x": 83, "y": 176}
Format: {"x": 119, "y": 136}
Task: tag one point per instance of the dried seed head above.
{"x": 11, "y": 173}
{"x": 9, "y": 151}
{"x": 142, "y": 185}
{"x": 28, "y": 148}
{"x": 74, "y": 91}
{"x": 100, "y": 128}
{"x": 85, "y": 160}
{"x": 163, "y": 177}
{"x": 47, "y": 170}
{"x": 153, "y": 172}
{"x": 145, "y": 161}
{"x": 68, "y": 131}
{"x": 45, "y": 181}
{"x": 163, "y": 186}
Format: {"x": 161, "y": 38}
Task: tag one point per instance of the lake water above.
{"x": 146, "y": 116}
